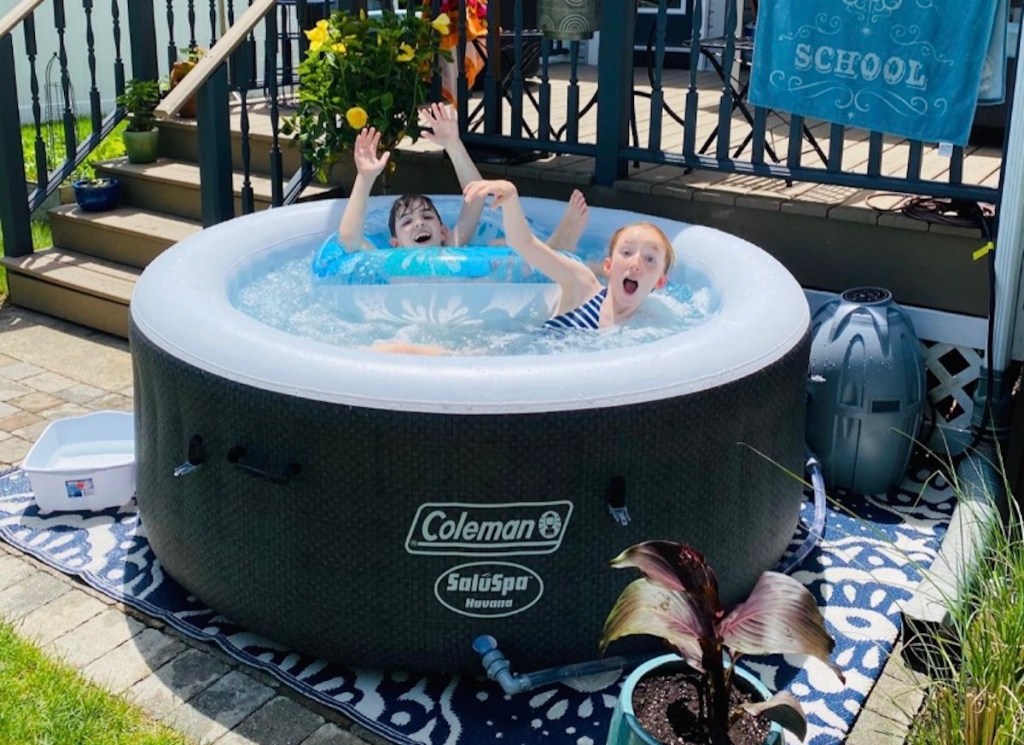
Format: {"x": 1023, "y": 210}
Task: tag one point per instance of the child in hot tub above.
{"x": 414, "y": 220}
{"x": 639, "y": 258}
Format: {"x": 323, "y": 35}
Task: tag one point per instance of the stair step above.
{"x": 105, "y": 279}
{"x": 90, "y": 273}
{"x": 172, "y": 186}
{"x": 179, "y": 139}
{"x": 80, "y": 288}
{"x": 126, "y": 235}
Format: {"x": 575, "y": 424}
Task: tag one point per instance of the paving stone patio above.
{"x": 51, "y": 369}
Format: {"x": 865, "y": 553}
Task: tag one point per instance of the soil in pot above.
{"x": 667, "y": 704}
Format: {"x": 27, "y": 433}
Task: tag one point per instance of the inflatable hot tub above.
{"x": 384, "y": 509}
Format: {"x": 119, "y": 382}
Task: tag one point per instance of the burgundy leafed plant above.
{"x": 677, "y": 600}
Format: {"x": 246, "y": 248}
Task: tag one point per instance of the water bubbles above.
{"x": 285, "y": 298}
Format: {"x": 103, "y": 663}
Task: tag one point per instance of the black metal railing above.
{"x": 746, "y": 139}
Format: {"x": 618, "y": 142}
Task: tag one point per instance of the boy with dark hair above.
{"x": 414, "y": 220}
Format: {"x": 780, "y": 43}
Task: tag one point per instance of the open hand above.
{"x": 367, "y": 161}
{"x": 442, "y": 124}
{"x": 502, "y": 191}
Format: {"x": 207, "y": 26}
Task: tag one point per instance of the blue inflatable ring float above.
{"x": 334, "y": 265}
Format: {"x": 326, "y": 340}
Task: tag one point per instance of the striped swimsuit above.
{"x": 585, "y": 316}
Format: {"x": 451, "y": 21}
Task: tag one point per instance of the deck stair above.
{"x": 89, "y": 273}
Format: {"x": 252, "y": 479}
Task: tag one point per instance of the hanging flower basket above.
{"x": 365, "y": 71}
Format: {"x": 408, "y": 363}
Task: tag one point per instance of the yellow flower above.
{"x": 405, "y": 53}
{"x": 356, "y": 117}
{"x": 317, "y": 35}
{"x": 442, "y": 24}
{"x": 339, "y": 48}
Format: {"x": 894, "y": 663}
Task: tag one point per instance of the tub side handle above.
{"x": 236, "y": 456}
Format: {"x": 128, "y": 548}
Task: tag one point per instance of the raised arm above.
{"x": 577, "y": 281}
{"x": 369, "y": 166}
{"x": 443, "y": 129}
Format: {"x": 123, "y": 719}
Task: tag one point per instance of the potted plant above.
{"x": 179, "y": 70}
{"x": 677, "y": 600}
{"x": 364, "y": 71}
{"x": 96, "y": 194}
{"x": 140, "y": 99}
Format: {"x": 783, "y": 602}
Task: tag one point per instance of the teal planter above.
{"x": 569, "y": 20}
{"x": 626, "y": 730}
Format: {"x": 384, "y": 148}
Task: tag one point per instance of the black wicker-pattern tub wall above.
{"x": 384, "y": 510}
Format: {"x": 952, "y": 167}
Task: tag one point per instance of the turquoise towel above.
{"x": 992, "y": 88}
{"x": 905, "y": 67}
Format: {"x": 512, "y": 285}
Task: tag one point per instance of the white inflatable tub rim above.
{"x": 182, "y": 305}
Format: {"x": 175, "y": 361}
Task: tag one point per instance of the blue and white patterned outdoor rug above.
{"x": 867, "y": 562}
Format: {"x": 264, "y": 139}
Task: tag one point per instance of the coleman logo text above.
{"x": 488, "y": 589}
{"x": 459, "y": 528}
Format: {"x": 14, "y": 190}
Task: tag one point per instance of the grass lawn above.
{"x": 45, "y": 702}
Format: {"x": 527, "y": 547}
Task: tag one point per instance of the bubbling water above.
{"x": 286, "y": 297}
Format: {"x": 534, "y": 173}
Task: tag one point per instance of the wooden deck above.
{"x": 981, "y": 164}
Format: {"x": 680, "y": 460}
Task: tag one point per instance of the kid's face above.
{"x": 419, "y": 225}
{"x": 636, "y": 266}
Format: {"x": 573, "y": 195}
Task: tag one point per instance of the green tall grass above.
{"x": 976, "y": 693}
{"x": 42, "y": 701}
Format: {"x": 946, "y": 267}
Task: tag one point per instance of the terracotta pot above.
{"x": 625, "y": 728}
{"x": 178, "y": 71}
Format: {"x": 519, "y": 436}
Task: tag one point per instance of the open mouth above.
{"x": 629, "y": 285}
{"x": 421, "y": 238}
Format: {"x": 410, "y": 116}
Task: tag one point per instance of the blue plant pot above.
{"x": 93, "y": 198}
{"x": 625, "y": 729}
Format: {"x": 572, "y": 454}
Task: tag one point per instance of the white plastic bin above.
{"x": 84, "y": 462}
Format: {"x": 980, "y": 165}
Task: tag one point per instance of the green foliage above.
{"x": 192, "y": 55}
{"x": 140, "y": 99}
{"x": 363, "y": 71}
{"x": 45, "y": 702}
{"x": 93, "y": 183}
{"x": 52, "y": 134}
